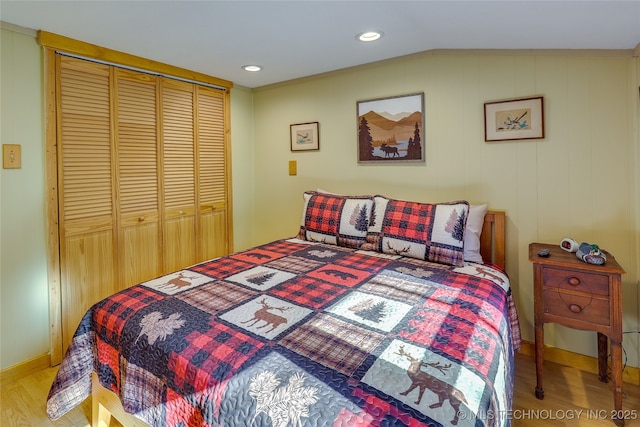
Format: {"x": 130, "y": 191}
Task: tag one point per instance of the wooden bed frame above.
{"x": 106, "y": 404}
{"x": 493, "y": 239}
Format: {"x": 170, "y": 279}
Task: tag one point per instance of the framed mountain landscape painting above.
{"x": 391, "y": 129}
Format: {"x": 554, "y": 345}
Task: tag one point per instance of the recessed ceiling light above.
{"x": 252, "y": 68}
{"x": 369, "y": 36}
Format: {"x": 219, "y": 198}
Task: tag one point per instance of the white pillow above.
{"x": 475, "y": 222}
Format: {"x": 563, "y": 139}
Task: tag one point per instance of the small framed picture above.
{"x": 305, "y": 137}
{"x": 521, "y": 118}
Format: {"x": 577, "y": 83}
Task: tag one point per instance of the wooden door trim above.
{"x": 114, "y": 57}
{"x": 53, "y": 240}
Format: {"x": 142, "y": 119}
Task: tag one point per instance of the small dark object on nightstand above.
{"x": 544, "y": 253}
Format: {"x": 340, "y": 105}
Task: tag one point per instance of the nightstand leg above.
{"x": 539, "y": 330}
{"x": 616, "y": 378}
{"x": 603, "y": 340}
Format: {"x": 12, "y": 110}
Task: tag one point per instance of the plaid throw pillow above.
{"x": 432, "y": 232}
{"x": 336, "y": 220}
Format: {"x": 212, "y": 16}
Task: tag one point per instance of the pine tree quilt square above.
{"x": 261, "y": 277}
{"x": 371, "y": 310}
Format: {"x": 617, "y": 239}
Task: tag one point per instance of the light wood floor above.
{"x": 567, "y": 391}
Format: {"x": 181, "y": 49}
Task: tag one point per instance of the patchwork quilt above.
{"x": 297, "y": 333}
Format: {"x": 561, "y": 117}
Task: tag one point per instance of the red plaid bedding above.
{"x": 302, "y": 334}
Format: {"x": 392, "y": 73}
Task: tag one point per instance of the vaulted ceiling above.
{"x": 293, "y": 39}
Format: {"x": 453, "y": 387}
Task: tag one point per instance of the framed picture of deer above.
{"x": 391, "y": 129}
{"x": 305, "y": 136}
{"x": 510, "y": 119}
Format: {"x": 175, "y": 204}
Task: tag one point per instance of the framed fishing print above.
{"x": 521, "y": 118}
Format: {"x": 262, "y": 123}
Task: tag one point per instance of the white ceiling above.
{"x": 293, "y": 39}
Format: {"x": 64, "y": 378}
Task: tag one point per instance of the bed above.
{"x": 365, "y": 318}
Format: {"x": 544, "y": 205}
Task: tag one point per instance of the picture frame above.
{"x": 391, "y": 129}
{"x": 514, "y": 119}
{"x": 305, "y": 136}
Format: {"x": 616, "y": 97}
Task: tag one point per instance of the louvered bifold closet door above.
{"x": 178, "y": 150}
{"x": 212, "y": 173}
{"x": 85, "y": 183}
{"x": 138, "y": 195}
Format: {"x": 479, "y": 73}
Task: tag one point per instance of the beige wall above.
{"x": 580, "y": 181}
{"x": 24, "y": 295}
{"x": 242, "y": 168}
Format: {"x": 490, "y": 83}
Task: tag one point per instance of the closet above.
{"x": 143, "y": 180}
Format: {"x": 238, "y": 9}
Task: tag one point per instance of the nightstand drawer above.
{"x": 578, "y": 307}
{"x": 576, "y": 281}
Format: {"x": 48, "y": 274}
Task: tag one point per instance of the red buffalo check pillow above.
{"x": 432, "y": 232}
{"x": 334, "y": 219}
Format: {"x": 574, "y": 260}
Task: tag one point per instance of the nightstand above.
{"x": 583, "y": 296}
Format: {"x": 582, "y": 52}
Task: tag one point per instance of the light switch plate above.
{"x": 11, "y": 157}
{"x": 293, "y": 167}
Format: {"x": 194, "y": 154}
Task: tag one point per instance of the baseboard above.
{"x": 630, "y": 374}
{"x": 23, "y": 369}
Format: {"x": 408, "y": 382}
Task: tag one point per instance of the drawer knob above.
{"x": 140, "y": 219}
{"x": 575, "y": 308}
{"x": 574, "y": 281}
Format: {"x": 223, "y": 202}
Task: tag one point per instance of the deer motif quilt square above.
{"x": 261, "y": 277}
{"x": 497, "y": 277}
{"x": 179, "y": 281}
{"x": 332, "y": 342}
{"x": 266, "y": 316}
{"x": 427, "y": 382}
{"x": 371, "y": 310}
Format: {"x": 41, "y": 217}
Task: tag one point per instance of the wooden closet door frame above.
{"x": 51, "y": 43}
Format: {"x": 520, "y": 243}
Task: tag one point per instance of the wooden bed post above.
{"x": 492, "y": 239}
